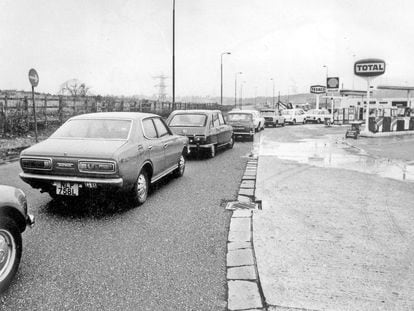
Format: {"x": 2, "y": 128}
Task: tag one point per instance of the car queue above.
{"x": 118, "y": 152}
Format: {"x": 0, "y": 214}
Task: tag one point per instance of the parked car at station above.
{"x": 244, "y": 122}
{"x": 108, "y": 151}
{"x": 317, "y": 115}
{"x": 205, "y": 129}
{"x": 273, "y": 117}
{"x": 294, "y": 116}
{"x": 14, "y": 219}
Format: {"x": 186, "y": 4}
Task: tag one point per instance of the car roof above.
{"x": 243, "y": 111}
{"x": 205, "y": 111}
{"x": 114, "y": 115}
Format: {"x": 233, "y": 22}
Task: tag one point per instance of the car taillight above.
{"x": 199, "y": 138}
{"x": 96, "y": 166}
{"x": 36, "y": 163}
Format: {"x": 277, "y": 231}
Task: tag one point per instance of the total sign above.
{"x": 369, "y": 67}
{"x": 317, "y": 89}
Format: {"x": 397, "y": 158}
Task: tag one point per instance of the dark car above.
{"x": 206, "y": 129}
{"x": 109, "y": 151}
{"x": 13, "y": 221}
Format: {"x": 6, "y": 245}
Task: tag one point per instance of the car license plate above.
{"x": 66, "y": 188}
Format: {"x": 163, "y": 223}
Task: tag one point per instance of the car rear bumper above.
{"x": 35, "y": 179}
{"x": 197, "y": 146}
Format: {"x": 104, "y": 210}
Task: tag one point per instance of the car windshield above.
{"x": 268, "y": 113}
{"x": 94, "y": 129}
{"x": 287, "y": 112}
{"x": 190, "y": 120}
{"x": 239, "y": 117}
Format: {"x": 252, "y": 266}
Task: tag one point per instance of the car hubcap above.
{"x": 7, "y": 253}
{"x": 142, "y": 187}
{"x": 213, "y": 152}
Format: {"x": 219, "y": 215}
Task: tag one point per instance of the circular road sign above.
{"x": 369, "y": 67}
{"x": 33, "y": 77}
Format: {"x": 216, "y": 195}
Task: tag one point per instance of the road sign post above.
{"x": 368, "y": 69}
{"x": 34, "y": 81}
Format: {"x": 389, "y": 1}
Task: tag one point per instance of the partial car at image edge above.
{"x": 14, "y": 219}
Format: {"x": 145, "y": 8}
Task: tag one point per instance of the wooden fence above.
{"x": 17, "y": 112}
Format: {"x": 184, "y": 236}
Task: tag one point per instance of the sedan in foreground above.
{"x": 105, "y": 152}
{"x": 13, "y": 221}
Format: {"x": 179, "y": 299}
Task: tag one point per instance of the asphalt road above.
{"x": 168, "y": 254}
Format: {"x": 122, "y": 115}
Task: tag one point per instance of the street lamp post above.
{"x": 173, "y": 56}
{"x": 273, "y": 97}
{"x": 241, "y": 95}
{"x": 221, "y": 76}
{"x": 235, "y": 88}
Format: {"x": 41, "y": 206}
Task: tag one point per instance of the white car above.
{"x": 273, "y": 117}
{"x": 294, "y": 116}
{"x": 318, "y": 115}
{"x": 258, "y": 120}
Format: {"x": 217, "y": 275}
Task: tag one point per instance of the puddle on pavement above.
{"x": 333, "y": 152}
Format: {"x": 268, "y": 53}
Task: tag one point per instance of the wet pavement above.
{"x": 334, "y": 151}
{"x": 335, "y": 230}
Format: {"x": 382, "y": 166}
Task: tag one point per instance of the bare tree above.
{"x": 75, "y": 89}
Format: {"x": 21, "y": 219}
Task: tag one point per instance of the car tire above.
{"x": 304, "y": 121}
{"x": 318, "y": 121}
{"x": 139, "y": 193}
{"x": 293, "y": 121}
{"x": 10, "y": 251}
{"x": 231, "y": 142}
{"x": 179, "y": 171}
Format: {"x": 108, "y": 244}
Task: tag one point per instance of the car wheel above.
{"x": 304, "y": 121}
{"x": 212, "y": 153}
{"x": 10, "y": 251}
{"x": 293, "y": 121}
{"x": 231, "y": 142}
{"x": 179, "y": 171}
{"x": 140, "y": 191}
{"x": 318, "y": 121}
{"x": 283, "y": 124}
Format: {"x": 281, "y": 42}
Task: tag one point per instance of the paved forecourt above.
{"x": 332, "y": 239}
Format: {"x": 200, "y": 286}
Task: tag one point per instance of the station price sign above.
{"x": 332, "y": 83}
{"x": 317, "y": 89}
{"x": 370, "y": 67}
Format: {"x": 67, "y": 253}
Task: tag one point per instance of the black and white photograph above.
{"x": 206, "y": 155}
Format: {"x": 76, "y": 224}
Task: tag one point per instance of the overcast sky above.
{"x": 118, "y": 46}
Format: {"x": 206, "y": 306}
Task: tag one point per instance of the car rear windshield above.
{"x": 190, "y": 120}
{"x": 94, "y": 129}
{"x": 239, "y": 117}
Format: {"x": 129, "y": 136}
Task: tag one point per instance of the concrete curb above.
{"x": 243, "y": 283}
{"x": 385, "y": 134}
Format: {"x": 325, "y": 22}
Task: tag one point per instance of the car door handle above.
{"x": 165, "y": 146}
{"x": 149, "y": 147}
